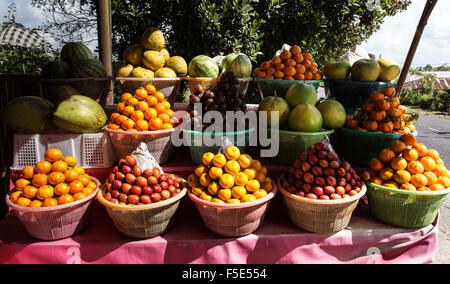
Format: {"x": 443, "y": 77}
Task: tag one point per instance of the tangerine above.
{"x": 386, "y": 155}
{"x": 30, "y": 191}
{"x": 415, "y": 167}
{"x": 419, "y": 180}
{"x": 150, "y": 113}
{"x": 23, "y": 201}
{"x": 141, "y": 94}
{"x": 205, "y": 179}
{"x": 253, "y": 185}
{"x": 224, "y": 194}
{"x": 408, "y": 139}
{"x": 410, "y": 155}
{"x": 248, "y": 198}
{"x": 402, "y": 177}
{"x": 155, "y": 124}
{"x": 436, "y": 187}
{"x": 386, "y": 174}
{"x": 215, "y": 172}
{"x": 76, "y": 186}
{"x": 238, "y": 192}
{"x": 35, "y": 204}
{"x": 50, "y": 202}
{"x": 151, "y": 89}
{"x": 232, "y": 167}
{"x": 251, "y": 173}
{"x": 207, "y": 158}
{"x": 45, "y": 192}
{"x": 43, "y": 167}
{"x": 245, "y": 161}
{"x": 59, "y": 166}
{"x": 39, "y": 180}
{"x": 219, "y": 160}
{"x": 408, "y": 186}
{"x": 159, "y": 96}
{"x": 79, "y": 196}
{"x": 399, "y": 163}
{"x": 428, "y": 163}
{"x": 241, "y": 179}
{"x": 15, "y": 195}
{"x": 398, "y": 146}
{"x": 52, "y": 155}
{"x": 22, "y": 183}
{"x": 444, "y": 181}
{"x": 232, "y": 153}
{"x": 65, "y": 199}
{"x": 28, "y": 172}
{"x": 71, "y": 175}
{"x": 56, "y": 178}
{"x": 376, "y": 165}
{"x": 261, "y": 193}
{"x": 61, "y": 189}
{"x": 151, "y": 101}
{"x": 421, "y": 149}
{"x": 142, "y": 125}
{"x": 226, "y": 181}
{"x": 431, "y": 177}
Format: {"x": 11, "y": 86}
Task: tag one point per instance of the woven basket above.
{"x": 57, "y": 222}
{"x": 233, "y": 220}
{"x": 320, "y": 216}
{"x": 144, "y": 221}
{"x": 402, "y": 208}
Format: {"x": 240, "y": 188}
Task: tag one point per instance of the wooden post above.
{"x": 105, "y": 41}
{"x": 412, "y": 50}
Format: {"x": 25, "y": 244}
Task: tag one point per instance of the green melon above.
{"x": 203, "y": 66}
{"x": 55, "y": 69}
{"x": 177, "y": 64}
{"x": 239, "y": 63}
{"x": 88, "y": 68}
{"x": 74, "y": 52}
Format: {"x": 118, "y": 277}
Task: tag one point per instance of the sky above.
{"x": 391, "y": 41}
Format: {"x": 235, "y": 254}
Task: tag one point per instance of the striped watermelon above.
{"x": 203, "y": 66}
{"x": 73, "y": 52}
{"x": 55, "y": 69}
{"x": 88, "y": 68}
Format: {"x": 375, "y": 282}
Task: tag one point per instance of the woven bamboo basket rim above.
{"x": 257, "y": 202}
{"x": 159, "y": 204}
{"x": 408, "y": 192}
{"x": 322, "y": 202}
{"x": 55, "y": 208}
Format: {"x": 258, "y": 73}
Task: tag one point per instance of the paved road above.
{"x": 435, "y": 134}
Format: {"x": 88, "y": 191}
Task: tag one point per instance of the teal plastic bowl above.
{"x": 359, "y": 147}
{"x": 352, "y": 94}
{"x": 198, "y": 147}
{"x": 268, "y": 87}
{"x": 293, "y": 144}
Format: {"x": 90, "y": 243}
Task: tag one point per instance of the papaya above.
{"x": 153, "y": 39}
{"x": 140, "y": 72}
{"x": 153, "y": 60}
{"x": 177, "y": 64}
{"x": 134, "y": 54}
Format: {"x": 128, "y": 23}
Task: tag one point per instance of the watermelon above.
{"x": 73, "y": 52}
{"x": 239, "y": 63}
{"x": 88, "y": 68}
{"x": 55, "y": 69}
{"x": 203, "y": 66}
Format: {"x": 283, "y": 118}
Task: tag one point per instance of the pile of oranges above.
{"x": 408, "y": 165}
{"x": 291, "y": 64}
{"x": 55, "y": 181}
{"x": 231, "y": 177}
{"x": 146, "y": 110}
{"x": 383, "y": 113}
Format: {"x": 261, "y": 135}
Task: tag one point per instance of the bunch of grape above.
{"x": 224, "y": 96}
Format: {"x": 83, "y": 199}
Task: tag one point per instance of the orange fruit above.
{"x": 232, "y": 167}
{"x": 275, "y": 61}
{"x": 433, "y": 154}
{"x": 132, "y": 102}
{"x": 155, "y": 124}
{"x": 205, "y": 179}
{"x": 260, "y": 177}
{"x": 419, "y": 180}
{"x": 436, "y": 187}
{"x": 30, "y": 191}
{"x": 49, "y": 202}
{"x": 76, "y": 186}
{"x": 241, "y": 179}
{"x": 424, "y": 188}
{"x": 142, "y": 125}
{"x": 408, "y": 186}
{"x": 431, "y": 177}
{"x": 151, "y": 101}
{"x": 233, "y": 201}
{"x": 261, "y": 193}
{"x": 70, "y": 161}
{"x": 128, "y": 124}
{"x": 128, "y": 110}
{"x": 52, "y": 155}
{"x": 415, "y": 167}
{"x": 213, "y": 188}
{"x": 65, "y": 199}
{"x": 410, "y": 155}
{"x": 15, "y": 195}
{"x": 226, "y": 181}
{"x": 238, "y": 192}
{"x": 79, "y": 196}
{"x": 137, "y": 115}
{"x": 159, "y": 96}
{"x": 45, "y": 192}
{"x": 141, "y": 94}
{"x": 22, "y": 183}
{"x": 121, "y": 107}
{"x": 71, "y": 175}
{"x": 399, "y": 163}
{"x": 408, "y": 139}
{"x": 165, "y": 118}
{"x": 391, "y": 184}
{"x": 201, "y": 169}
{"x": 267, "y": 186}
{"x": 253, "y": 185}
{"x": 150, "y": 89}
{"x": 440, "y": 170}
{"x": 28, "y": 172}
{"x": 245, "y": 161}
{"x": 295, "y": 50}
{"x": 402, "y": 177}
{"x": 207, "y": 158}
{"x": 375, "y": 164}
{"x": 79, "y": 170}
{"x": 251, "y": 173}
{"x": 205, "y": 196}
{"x": 217, "y": 200}
{"x": 160, "y": 108}
{"x": 285, "y": 54}
{"x": 248, "y": 198}
{"x": 265, "y": 65}
{"x": 421, "y": 149}
{"x": 224, "y": 194}
{"x": 219, "y": 160}
{"x": 232, "y": 153}
{"x": 215, "y": 172}
{"x": 167, "y": 126}
{"x": 43, "y": 167}
{"x": 88, "y": 190}
{"x": 386, "y": 174}
{"x": 150, "y": 113}
{"x": 376, "y": 180}
{"x": 166, "y": 105}
{"x": 386, "y": 155}
{"x": 142, "y": 106}
{"x": 85, "y": 179}
{"x": 35, "y": 204}
{"x": 92, "y": 185}
{"x": 398, "y": 146}
{"x": 428, "y": 163}
{"x": 307, "y": 56}
{"x": 39, "y": 180}
{"x": 256, "y": 165}
{"x": 56, "y": 178}
{"x": 61, "y": 189}
{"x": 23, "y": 201}
{"x": 114, "y": 117}
{"x": 125, "y": 96}
{"x": 444, "y": 181}
{"x": 59, "y": 166}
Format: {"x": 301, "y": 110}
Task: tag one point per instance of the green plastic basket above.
{"x": 404, "y": 209}
{"x": 359, "y": 147}
{"x": 268, "y": 87}
{"x": 293, "y": 144}
{"x": 238, "y": 138}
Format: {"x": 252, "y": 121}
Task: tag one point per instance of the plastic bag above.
{"x": 144, "y": 158}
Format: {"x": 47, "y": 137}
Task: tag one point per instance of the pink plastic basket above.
{"x": 58, "y": 222}
{"x": 233, "y": 220}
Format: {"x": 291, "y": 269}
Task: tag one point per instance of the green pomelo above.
{"x": 389, "y": 69}
{"x": 270, "y": 104}
{"x": 333, "y": 114}
{"x": 301, "y": 93}
{"x": 337, "y": 69}
{"x": 305, "y": 118}
{"x": 30, "y": 115}
{"x": 366, "y": 70}
{"x": 80, "y": 114}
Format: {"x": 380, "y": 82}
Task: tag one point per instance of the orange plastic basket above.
{"x": 233, "y": 220}
{"x": 57, "y": 222}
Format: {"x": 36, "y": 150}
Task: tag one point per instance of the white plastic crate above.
{"x": 90, "y": 150}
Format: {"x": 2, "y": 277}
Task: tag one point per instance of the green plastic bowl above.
{"x": 352, "y": 94}
{"x": 359, "y": 147}
{"x": 293, "y": 144}
{"x": 403, "y": 208}
{"x": 268, "y": 87}
{"x": 238, "y": 138}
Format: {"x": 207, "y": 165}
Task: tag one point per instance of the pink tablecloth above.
{"x": 276, "y": 241}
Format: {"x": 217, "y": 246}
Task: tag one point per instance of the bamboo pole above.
{"x": 105, "y": 41}
{"x": 429, "y": 5}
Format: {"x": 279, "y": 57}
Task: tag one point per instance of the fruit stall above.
{"x": 140, "y": 181}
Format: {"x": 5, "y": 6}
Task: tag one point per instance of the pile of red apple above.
{"x": 128, "y": 184}
{"x": 319, "y": 174}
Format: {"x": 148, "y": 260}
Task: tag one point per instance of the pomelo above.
{"x": 301, "y": 93}
{"x": 366, "y": 70}
{"x": 270, "y": 104}
{"x": 305, "y": 118}
{"x": 389, "y": 69}
{"x": 333, "y": 114}
{"x": 337, "y": 69}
